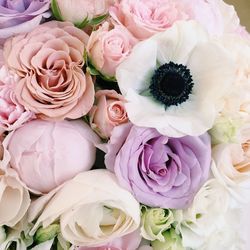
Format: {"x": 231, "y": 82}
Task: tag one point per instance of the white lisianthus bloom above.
{"x": 14, "y": 199}
{"x": 236, "y": 109}
{"x": 232, "y": 167}
{"x": 92, "y": 209}
{"x": 205, "y": 215}
{"x": 175, "y": 81}
{"x": 229, "y": 237}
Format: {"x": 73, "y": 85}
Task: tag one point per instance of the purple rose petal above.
{"x": 159, "y": 171}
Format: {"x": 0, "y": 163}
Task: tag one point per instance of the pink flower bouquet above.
{"x": 124, "y": 125}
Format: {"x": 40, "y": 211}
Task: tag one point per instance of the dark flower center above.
{"x": 171, "y": 84}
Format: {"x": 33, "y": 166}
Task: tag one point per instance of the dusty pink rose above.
{"x": 45, "y": 154}
{"x": 12, "y": 113}
{"x": 144, "y": 18}
{"x": 49, "y": 61}
{"x": 109, "y": 46}
{"x": 128, "y": 242}
{"x": 108, "y": 112}
{"x": 76, "y": 11}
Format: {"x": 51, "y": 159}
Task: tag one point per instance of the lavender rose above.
{"x": 160, "y": 171}
{"x": 21, "y": 16}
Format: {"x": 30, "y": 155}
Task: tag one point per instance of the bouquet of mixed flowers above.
{"x": 124, "y": 125}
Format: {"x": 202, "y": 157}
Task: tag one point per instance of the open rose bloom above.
{"x": 124, "y": 125}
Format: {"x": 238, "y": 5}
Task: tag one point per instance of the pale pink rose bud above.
{"x": 46, "y": 154}
{"x": 76, "y": 11}
{"x": 108, "y": 47}
{"x": 108, "y": 112}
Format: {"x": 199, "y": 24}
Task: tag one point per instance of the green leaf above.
{"x": 98, "y": 20}
{"x": 56, "y": 11}
{"x": 82, "y": 24}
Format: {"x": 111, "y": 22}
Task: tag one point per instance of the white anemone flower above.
{"x": 175, "y": 81}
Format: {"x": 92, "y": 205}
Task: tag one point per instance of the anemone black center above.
{"x": 171, "y": 84}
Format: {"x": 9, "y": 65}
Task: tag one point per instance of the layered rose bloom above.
{"x": 108, "y": 112}
{"x": 21, "y": 16}
{"x": 159, "y": 171}
{"x": 49, "y": 61}
{"x": 109, "y": 46}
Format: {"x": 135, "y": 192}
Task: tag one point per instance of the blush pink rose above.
{"x": 108, "y": 47}
{"x": 128, "y": 242}
{"x": 12, "y": 113}
{"x": 144, "y": 18}
{"x": 46, "y": 154}
{"x": 49, "y": 62}
{"x": 108, "y": 112}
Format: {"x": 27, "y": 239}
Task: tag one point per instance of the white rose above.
{"x": 232, "y": 167}
{"x": 181, "y": 95}
{"x": 204, "y": 216}
{"x": 92, "y": 208}
{"x": 14, "y": 199}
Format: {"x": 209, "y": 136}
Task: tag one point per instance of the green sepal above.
{"x": 82, "y": 24}
{"x": 97, "y": 20}
{"x": 56, "y": 11}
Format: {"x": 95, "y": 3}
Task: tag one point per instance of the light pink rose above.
{"x": 108, "y": 112}
{"x": 109, "y": 46}
{"x": 49, "y": 61}
{"x": 76, "y": 11}
{"x": 144, "y": 18}
{"x": 128, "y": 242}
{"x": 12, "y": 113}
{"x": 46, "y": 154}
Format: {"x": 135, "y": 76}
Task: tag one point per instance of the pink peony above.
{"x": 128, "y": 242}
{"x": 49, "y": 61}
{"x": 12, "y": 113}
{"x": 46, "y": 154}
{"x": 108, "y": 112}
{"x": 108, "y": 47}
